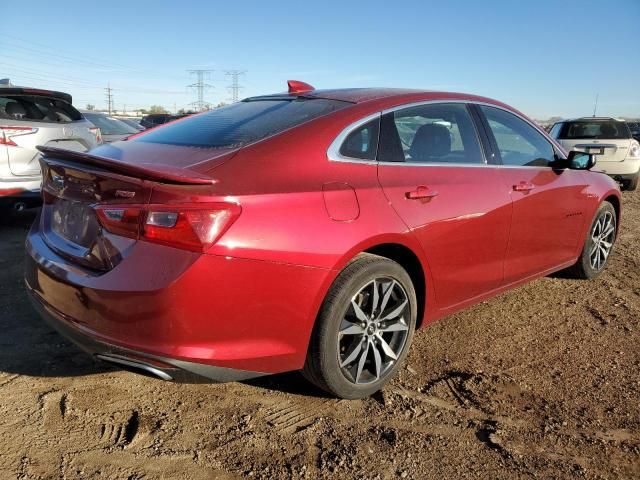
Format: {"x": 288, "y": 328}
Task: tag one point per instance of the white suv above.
{"x": 31, "y": 117}
{"x": 618, "y": 153}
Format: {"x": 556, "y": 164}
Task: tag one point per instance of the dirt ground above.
{"x": 543, "y": 382}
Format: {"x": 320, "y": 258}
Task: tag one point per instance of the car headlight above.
{"x": 634, "y": 150}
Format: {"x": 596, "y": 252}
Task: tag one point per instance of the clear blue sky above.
{"x": 544, "y": 57}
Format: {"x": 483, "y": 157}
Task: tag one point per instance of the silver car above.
{"x": 111, "y": 128}
{"x": 31, "y": 117}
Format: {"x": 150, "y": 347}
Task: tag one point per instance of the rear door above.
{"x": 30, "y": 120}
{"x": 549, "y": 205}
{"x": 433, "y": 171}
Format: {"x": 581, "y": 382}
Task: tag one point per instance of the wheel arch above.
{"x": 615, "y": 201}
{"x": 408, "y": 260}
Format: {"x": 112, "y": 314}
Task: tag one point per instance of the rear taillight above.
{"x": 634, "y": 150}
{"x": 96, "y": 133}
{"x": 7, "y": 133}
{"x": 193, "y": 227}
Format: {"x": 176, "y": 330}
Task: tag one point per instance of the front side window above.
{"x": 242, "y": 123}
{"x": 519, "y": 143}
{"x": 433, "y": 133}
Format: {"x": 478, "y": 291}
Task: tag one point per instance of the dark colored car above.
{"x": 309, "y": 230}
{"x": 155, "y": 119}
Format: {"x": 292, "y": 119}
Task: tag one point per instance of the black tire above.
{"x": 328, "y": 349}
{"x": 632, "y": 184}
{"x": 584, "y": 268}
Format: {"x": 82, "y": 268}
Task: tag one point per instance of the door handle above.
{"x": 420, "y": 193}
{"x": 524, "y": 187}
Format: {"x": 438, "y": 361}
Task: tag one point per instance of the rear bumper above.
{"x": 626, "y": 167}
{"x": 200, "y": 313}
{"x": 139, "y": 362}
{"x": 20, "y": 191}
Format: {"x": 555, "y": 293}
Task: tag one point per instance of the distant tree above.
{"x": 221, "y": 104}
{"x": 90, "y": 107}
{"x": 157, "y": 109}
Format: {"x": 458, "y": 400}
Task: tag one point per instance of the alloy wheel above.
{"x": 602, "y": 236}
{"x": 374, "y": 331}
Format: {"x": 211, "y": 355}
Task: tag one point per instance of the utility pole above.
{"x": 595, "y": 107}
{"x": 235, "y": 88}
{"x": 200, "y": 105}
{"x": 124, "y": 109}
{"x": 109, "y": 91}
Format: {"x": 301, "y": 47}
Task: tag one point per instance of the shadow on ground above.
{"x": 27, "y": 345}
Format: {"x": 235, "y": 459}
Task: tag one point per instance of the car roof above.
{"x": 12, "y": 90}
{"x": 385, "y": 97}
{"x": 592, "y": 119}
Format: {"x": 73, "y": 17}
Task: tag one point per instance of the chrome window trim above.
{"x": 334, "y": 155}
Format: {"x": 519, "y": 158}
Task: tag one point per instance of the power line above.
{"x": 200, "y": 87}
{"x": 235, "y": 88}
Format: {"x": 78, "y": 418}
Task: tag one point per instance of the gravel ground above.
{"x": 542, "y": 382}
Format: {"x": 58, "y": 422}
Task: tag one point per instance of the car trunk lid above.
{"x": 614, "y": 150}
{"x": 76, "y": 184}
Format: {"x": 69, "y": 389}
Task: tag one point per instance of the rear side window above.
{"x": 241, "y": 123}
{"x": 595, "y": 129}
{"x": 35, "y": 108}
{"x": 437, "y": 133}
{"x": 362, "y": 142}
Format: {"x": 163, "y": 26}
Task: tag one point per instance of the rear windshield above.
{"x": 241, "y": 123}
{"x": 35, "y": 108}
{"x": 601, "y": 129}
{"x": 109, "y": 125}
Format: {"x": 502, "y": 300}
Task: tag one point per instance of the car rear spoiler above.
{"x": 157, "y": 173}
{"x": 35, "y": 91}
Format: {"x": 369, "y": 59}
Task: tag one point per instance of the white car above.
{"x": 618, "y": 153}
{"x": 30, "y": 117}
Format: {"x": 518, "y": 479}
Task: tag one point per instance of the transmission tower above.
{"x": 235, "y": 88}
{"x": 200, "y": 87}
{"x": 109, "y": 94}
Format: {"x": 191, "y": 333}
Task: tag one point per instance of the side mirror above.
{"x": 580, "y": 160}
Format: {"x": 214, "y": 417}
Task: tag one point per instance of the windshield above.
{"x": 241, "y": 123}
{"x": 595, "y": 129}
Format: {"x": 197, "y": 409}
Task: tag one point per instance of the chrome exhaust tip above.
{"x": 135, "y": 366}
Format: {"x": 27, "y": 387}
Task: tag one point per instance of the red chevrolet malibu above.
{"x": 312, "y": 230}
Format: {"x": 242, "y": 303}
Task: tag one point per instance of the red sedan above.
{"x": 312, "y": 230}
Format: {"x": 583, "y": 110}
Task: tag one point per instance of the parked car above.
{"x": 618, "y": 153}
{"x": 311, "y": 230}
{"x": 132, "y": 122}
{"x": 111, "y": 128}
{"x": 30, "y": 117}
{"x": 155, "y": 119}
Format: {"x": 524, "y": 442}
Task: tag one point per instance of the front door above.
{"x": 549, "y": 205}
